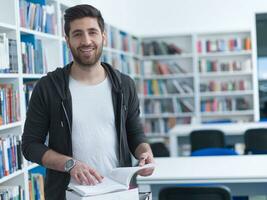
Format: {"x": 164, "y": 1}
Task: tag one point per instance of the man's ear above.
{"x": 105, "y": 41}
{"x": 67, "y": 40}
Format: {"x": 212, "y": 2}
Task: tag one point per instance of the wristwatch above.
{"x": 69, "y": 164}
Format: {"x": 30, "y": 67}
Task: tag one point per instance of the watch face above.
{"x": 69, "y": 165}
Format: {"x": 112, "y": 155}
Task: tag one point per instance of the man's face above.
{"x": 86, "y": 41}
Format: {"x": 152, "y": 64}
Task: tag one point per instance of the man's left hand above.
{"x": 146, "y": 158}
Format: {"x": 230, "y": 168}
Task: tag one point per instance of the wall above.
{"x": 143, "y": 17}
{"x": 70, "y": 2}
{"x": 117, "y": 12}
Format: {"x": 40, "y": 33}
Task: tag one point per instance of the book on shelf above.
{"x": 135, "y": 46}
{"x": 11, "y": 192}
{"x": 147, "y": 67}
{"x": 160, "y": 48}
{"x": 38, "y": 16}
{"x": 117, "y": 180}
{"x": 4, "y": 53}
{"x": 124, "y": 41}
{"x": 33, "y": 55}
{"x": 36, "y": 186}
{"x": 152, "y": 106}
{"x": 114, "y": 38}
{"x": 224, "y": 104}
{"x": 162, "y": 68}
{"x": 28, "y": 89}
{"x": 152, "y": 126}
{"x": 223, "y": 45}
{"x": 178, "y": 87}
{"x": 186, "y": 105}
{"x": 13, "y": 56}
{"x": 230, "y": 85}
{"x": 206, "y": 65}
{"x": 10, "y": 154}
{"x": 170, "y": 122}
{"x": 9, "y": 104}
{"x": 67, "y": 56}
{"x": 167, "y": 106}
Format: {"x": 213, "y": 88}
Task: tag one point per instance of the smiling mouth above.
{"x": 87, "y": 50}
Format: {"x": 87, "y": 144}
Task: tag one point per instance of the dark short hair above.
{"x": 80, "y": 11}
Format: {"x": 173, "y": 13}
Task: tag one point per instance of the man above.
{"x": 90, "y": 110}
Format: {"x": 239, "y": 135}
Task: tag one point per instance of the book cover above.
{"x": 117, "y": 180}
{"x": 131, "y": 194}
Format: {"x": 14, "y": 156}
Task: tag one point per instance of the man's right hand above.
{"x": 84, "y": 174}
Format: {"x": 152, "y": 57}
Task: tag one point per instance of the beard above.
{"x": 87, "y": 59}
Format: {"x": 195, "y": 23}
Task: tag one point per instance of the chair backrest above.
{"x": 159, "y": 149}
{"x": 195, "y": 193}
{"x": 200, "y": 139}
{"x": 256, "y": 141}
{"x": 214, "y": 152}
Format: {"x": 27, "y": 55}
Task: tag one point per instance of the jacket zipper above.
{"x": 65, "y": 112}
{"x": 123, "y": 104}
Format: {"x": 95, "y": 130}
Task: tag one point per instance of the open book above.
{"x": 117, "y": 180}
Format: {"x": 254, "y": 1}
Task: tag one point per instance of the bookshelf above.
{"x": 168, "y": 83}
{"x": 172, "y": 74}
{"x": 197, "y": 78}
{"x": 226, "y": 77}
{"x": 39, "y": 48}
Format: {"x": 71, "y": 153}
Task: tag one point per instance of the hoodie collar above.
{"x": 60, "y": 78}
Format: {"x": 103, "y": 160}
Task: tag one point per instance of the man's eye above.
{"x": 77, "y": 34}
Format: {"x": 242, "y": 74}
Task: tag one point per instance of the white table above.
{"x": 230, "y": 129}
{"x": 244, "y": 175}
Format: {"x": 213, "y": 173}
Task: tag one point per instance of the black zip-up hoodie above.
{"x": 50, "y": 111}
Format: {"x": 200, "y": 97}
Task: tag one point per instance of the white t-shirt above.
{"x": 94, "y": 137}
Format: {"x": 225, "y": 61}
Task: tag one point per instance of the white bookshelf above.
{"x": 226, "y": 71}
{"x": 10, "y": 24}
{"x": 122, "y": 50}
{"x": 242, "y": 77}
{"x": 180, "y": 70}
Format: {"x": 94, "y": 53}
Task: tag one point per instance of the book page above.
{"x": 117, "y": 180}
{"x": 107, "y": 185}
{"x": 123, "y": 175}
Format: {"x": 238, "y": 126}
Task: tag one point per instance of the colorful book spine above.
{"x": 38, "y": 16}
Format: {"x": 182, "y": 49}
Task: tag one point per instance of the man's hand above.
{"x": 146, "y": 158}
{"x": 84, "y": 174}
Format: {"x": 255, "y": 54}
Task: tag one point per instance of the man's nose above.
{"x": 86, "y": 40}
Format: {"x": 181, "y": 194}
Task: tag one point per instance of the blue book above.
{"x": 41, "y": 2}
{"x": 36, "y": 18}
{"x": 28, "y": 38}
{"x": 9, "y": 153}
{"x": 1, "y": 162}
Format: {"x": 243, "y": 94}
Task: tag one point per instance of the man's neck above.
{"x": 92, "y": 75}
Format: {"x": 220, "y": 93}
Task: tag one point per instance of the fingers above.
{"x": 142, "y": 159}
{"x": 145, "y": 158}
{"x": 91, "y": 180}
{"x": 146, "y": 172}
{"x": 84, "y": 174}
{"x": 96, "y": 175}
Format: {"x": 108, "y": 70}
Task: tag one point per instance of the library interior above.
{"x": 200, "y": 75}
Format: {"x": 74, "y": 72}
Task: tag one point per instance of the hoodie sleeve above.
{"x": 134, "y": 128}
{"x": 36, "y": 127}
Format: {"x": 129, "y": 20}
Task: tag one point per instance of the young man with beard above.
{"x": 90, "y": 110}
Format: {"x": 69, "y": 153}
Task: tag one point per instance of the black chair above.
{"x": 200, "y": 139}
{"x": 159, "y": 149}
{"x": 195, "y": 193}
{"x": 256, "y": 141}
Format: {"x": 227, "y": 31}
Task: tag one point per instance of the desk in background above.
{"x": 244, "y": 175}
{"x": 229, "y": 129}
